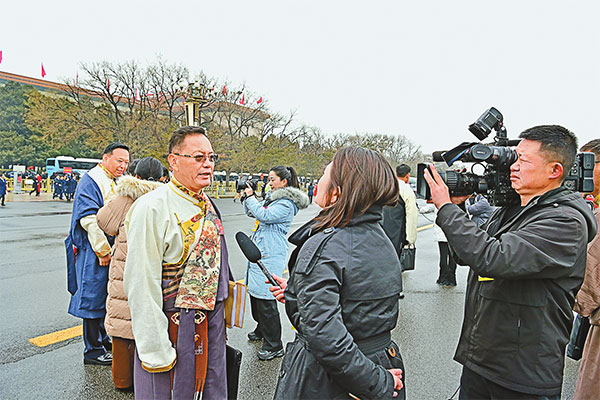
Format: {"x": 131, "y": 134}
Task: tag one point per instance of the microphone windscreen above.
{"x": 437, "y": 156}
{"x": 248, "y": 247}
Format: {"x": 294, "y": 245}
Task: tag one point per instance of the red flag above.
{"x": 43, "y": 71}
{"x": 259, "y": 100}
{"x": 243, "y": 100}
{"x": 224, "y": 91}
{"x": 0, "y": 56}
{"x": 137, "y": 95}
{"x": 107, "y": 84}
{"x": 183, "y": 100}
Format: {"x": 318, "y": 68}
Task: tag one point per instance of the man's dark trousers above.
{"x": 475, "y": 387}
{"x": 95, "y": 338}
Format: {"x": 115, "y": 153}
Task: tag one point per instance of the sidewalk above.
{"x": 24, "y": 196}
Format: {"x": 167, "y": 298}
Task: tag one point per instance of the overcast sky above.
{"x": 424, "y": 69}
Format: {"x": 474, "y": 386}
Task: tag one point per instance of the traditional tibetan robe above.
{"x": 176, "y": 279}
{"x": 86, "y": 279}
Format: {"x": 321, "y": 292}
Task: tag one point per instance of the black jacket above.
{"x": 343, "y": 289}
{"x": 394, "y": 225}
{"x": 517, "y": 325}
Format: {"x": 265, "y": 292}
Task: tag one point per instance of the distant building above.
{"x": 227, "y": 115}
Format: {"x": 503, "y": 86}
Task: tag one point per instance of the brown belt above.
{"x": 200, "y": 347}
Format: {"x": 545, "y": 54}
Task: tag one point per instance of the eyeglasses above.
{"x": 213, "y": 158}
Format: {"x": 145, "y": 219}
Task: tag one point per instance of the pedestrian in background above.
{"x": 111, "y": 220}
{"x": 479, "y": 209}
{"x": 400, "y": 221}
{"x": 88, "y": 252}
{"x": 70, "y": 185}
{"x": 274, "y": 217}
{"x": 2, "y": 188}
{"x": 447, "y": 275}
{"x": 36, "y": 186}
{"x": 311, "y": 190}
{"x": 587, "y": 302}
{"x": 58, "y": 187}
{"x": 342, "y": 295}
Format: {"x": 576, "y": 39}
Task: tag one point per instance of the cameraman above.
{"x": 527, "y": 263}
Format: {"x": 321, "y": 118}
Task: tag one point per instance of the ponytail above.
{"x": 287, "y": 173}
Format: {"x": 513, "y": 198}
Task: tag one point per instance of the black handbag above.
{"x": 233, "y": 359}
{"x": 581, "y": 327}
{"x": 407, "y": 258}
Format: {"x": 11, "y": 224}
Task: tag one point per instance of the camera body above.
{"x": 581, "y": 175}
{"x": 243, "y": 183}
{"x": 496, "y": 159}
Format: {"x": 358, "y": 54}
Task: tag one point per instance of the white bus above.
{"x": 55, "y": 166}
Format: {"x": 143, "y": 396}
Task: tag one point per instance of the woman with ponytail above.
{"x": 273, "y": 216}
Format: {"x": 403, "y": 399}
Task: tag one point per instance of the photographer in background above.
{"x": 274, "y": 217}
{"x": 527, "y": 264}
{"x": 587, "y": 302}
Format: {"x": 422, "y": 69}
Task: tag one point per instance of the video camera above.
{"x": 243, "y": 183}
{"x": 496, "y": 159}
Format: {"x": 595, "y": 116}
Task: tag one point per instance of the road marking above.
{"x": 58, "y": 336}
{"x": 422, "y": 228}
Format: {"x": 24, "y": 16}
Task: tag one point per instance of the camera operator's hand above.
{"x": 439, "y": 191}
{"x": 249, "y": 192}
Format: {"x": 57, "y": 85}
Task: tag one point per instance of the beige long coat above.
{"x": 111, "y": 219}
{"x": 587, "y": 304}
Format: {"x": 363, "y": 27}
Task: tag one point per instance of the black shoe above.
{"x": 104, "y": 359}
{"x": 253, "y": 337}
{"x": 401, "y": 295}
{"x": 266, "y": 355}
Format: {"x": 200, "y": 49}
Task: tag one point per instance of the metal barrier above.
{"x": 216, "y": 189}
{"x": 47, "y": 185}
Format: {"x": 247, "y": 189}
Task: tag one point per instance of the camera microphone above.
{"x": 253, "y": 255}
{"x": 437, "y": 156}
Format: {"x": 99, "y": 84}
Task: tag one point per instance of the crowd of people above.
{"x": 64, "y": 185}
{"x": 149, "y": 273}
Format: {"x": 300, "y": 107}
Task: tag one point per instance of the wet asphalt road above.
{"x": 34, "y": 301}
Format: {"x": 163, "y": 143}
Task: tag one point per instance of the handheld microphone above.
{"x": 253, "y": 255}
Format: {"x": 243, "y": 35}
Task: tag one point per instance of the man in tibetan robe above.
{"x": 176, "y": 279}
{"x": 88, "y": 252}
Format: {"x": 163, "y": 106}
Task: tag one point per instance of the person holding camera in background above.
{"x": 273, "y": 220}
{"x": 587, "y": 302}
{"x": 527, "y": 264}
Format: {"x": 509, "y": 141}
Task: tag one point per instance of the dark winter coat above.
{"x": 517, "y": 325}
{"x": 342, "y": 293}
{"x": 394, "y": 225}
{"x": 2, "y": 186}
